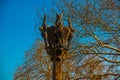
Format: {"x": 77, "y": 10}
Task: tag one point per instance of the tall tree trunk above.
{"x": 57, "y": 70}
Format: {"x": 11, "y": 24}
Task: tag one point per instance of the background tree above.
{"x": 95, "y": 52}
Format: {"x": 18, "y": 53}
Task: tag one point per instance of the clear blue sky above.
{"x": 17, "y": 21}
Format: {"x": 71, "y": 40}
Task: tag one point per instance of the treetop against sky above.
{"x": 18, "y": 19}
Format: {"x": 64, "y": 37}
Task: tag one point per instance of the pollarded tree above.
{"x": 95, "y": 52}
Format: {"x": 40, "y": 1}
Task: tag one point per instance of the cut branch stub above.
{"x": 57, "y": 37}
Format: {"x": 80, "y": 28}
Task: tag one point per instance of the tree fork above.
{"x": 58, "y": 37}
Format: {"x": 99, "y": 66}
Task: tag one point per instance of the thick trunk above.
{"x": 58, "y": 71}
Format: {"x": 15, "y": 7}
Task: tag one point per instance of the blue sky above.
{"x": 17, "y": 21}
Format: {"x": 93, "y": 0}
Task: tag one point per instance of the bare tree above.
{"x": 95, "y": 52}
